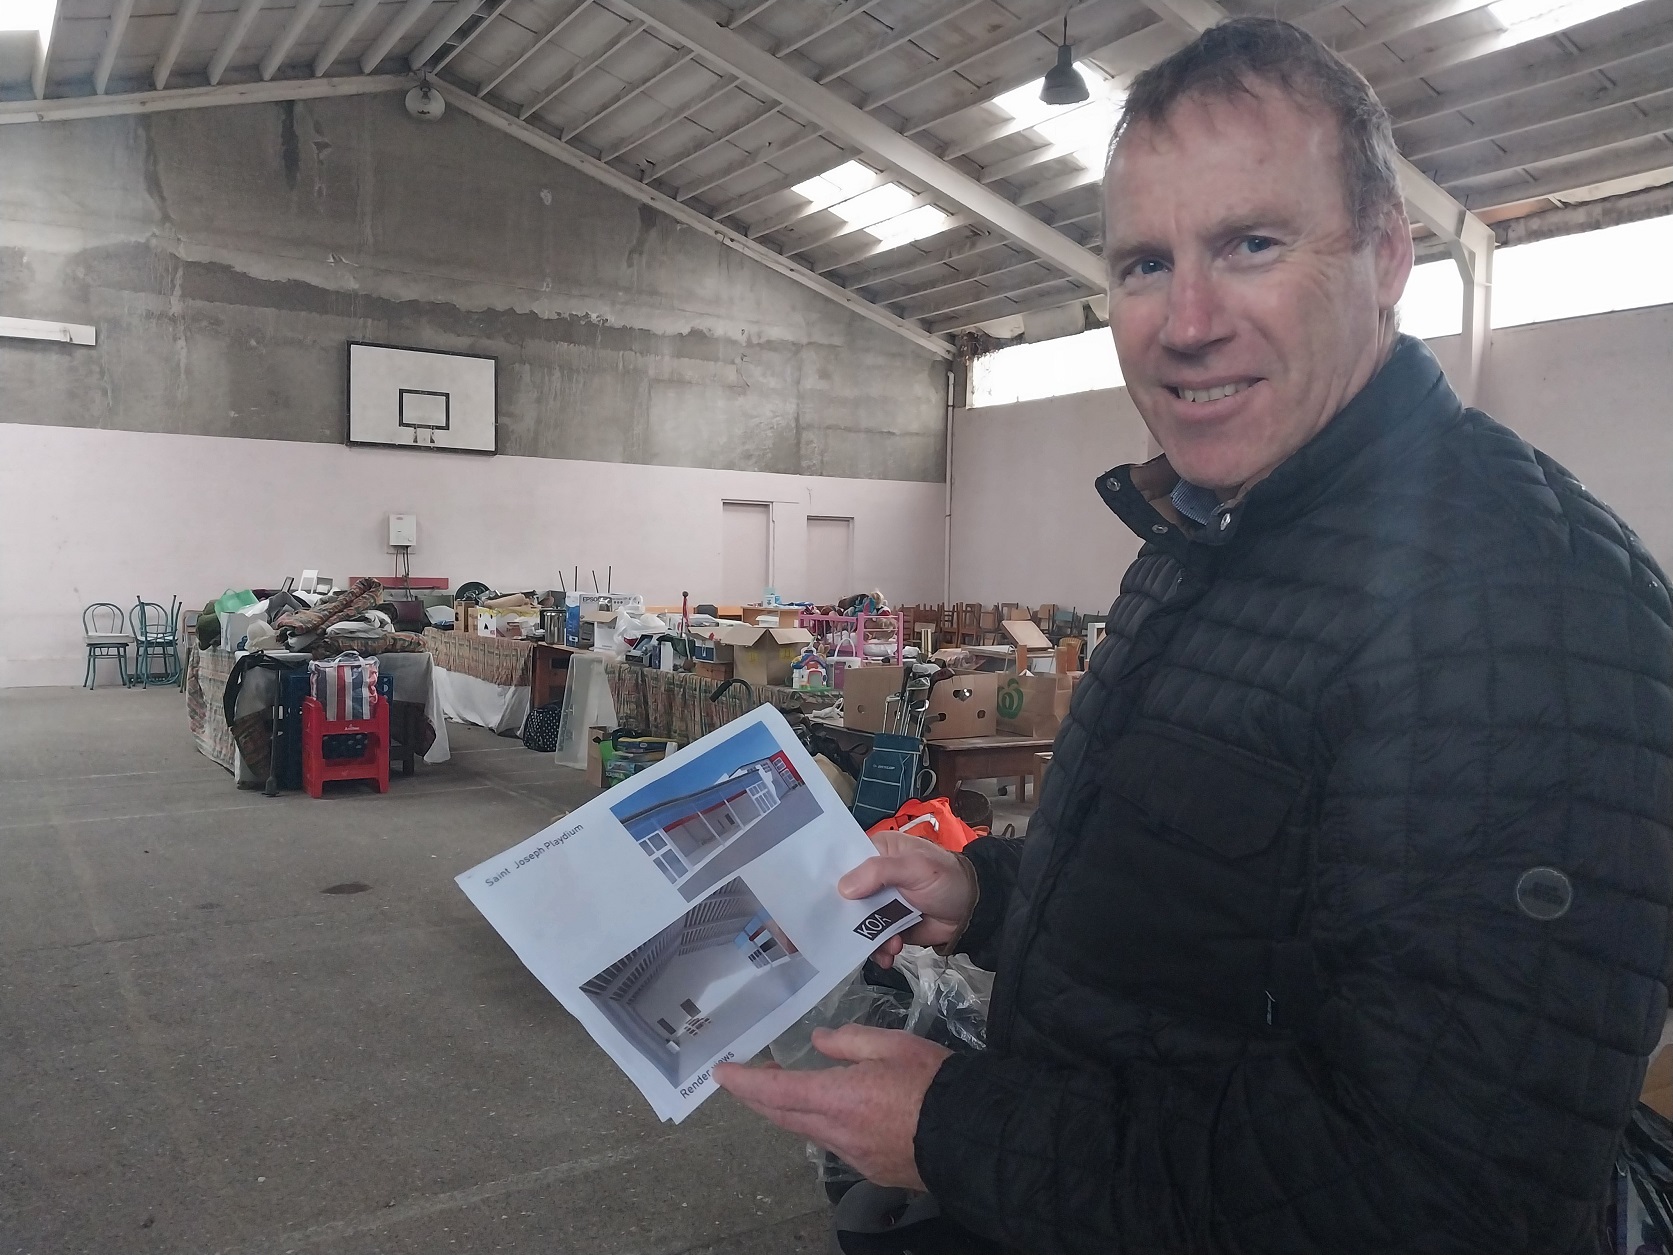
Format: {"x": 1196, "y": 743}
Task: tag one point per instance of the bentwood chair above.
{"x": 156, "y": 642}
{"x": 107, "y": 637}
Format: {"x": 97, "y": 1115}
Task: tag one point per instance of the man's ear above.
{"x": 1393, "y": 258}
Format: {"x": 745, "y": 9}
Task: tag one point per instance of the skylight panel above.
{"x": 1529, "y": 19}
{"x": 28, "y": 15}
{"x": 889, "y": 213}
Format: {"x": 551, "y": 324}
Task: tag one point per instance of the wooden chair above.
{"x": 969, "y": 624}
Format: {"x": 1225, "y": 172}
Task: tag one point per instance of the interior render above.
{"x": 710, "y": 975}
{"x": 740, "y": 267}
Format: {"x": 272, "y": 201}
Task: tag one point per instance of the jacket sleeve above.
{"x": 1464, "y": 1080}
{"x": 996, "y": 861}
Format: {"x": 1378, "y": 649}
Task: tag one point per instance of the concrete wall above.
{"x": 1029, "y": 527}
{"x": 226, "y": 255}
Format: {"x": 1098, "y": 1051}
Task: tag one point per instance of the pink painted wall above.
{"x": 1028, "y": 526}
{"x": 91, "y": 515}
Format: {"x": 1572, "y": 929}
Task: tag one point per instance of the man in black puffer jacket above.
{"x": 1343, "y": 924}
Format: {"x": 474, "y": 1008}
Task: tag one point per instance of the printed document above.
{"x": 690, "y": 915}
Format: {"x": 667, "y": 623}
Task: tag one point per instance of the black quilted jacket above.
{"x": 1271, "y": 973}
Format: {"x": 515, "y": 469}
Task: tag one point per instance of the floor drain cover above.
{"x": 352, "y": 886}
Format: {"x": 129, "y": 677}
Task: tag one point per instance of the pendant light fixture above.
{"x": 1063, "y": 84}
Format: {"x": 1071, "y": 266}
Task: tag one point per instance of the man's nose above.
{"x": 1196, "y": 316}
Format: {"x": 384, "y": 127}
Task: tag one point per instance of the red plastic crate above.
{"x": 371, "y": 765}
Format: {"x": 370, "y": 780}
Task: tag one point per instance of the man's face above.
{"x": 1243, "y": 314}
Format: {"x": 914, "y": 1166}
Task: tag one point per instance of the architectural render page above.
{"x": 690, "y": 915}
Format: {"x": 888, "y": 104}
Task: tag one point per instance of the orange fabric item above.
{"x": 933, "y": 820}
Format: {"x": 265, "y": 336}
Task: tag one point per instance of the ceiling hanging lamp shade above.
{"x": 1063, "y": 84}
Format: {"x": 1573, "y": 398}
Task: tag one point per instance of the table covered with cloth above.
{"x": 244, "y": 746}
{"x": 676, "y": 703}
{"x": 482, "y": 679}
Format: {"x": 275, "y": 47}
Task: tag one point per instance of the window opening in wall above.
{"x": 1571, "y": 276}
{"x": 1049, "y": 368}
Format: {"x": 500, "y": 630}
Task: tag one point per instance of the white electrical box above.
{"x": 403, "y": 531}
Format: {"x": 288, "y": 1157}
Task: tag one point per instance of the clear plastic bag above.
{"x": 943, "y": 999}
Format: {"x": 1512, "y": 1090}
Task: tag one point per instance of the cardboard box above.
{"x": 763, "y": 655}
{"x": 1034, "y": 705}
{"x": 712, "y": 672}
{"x": 966, "y": 705}
{"x": 864, "y": 693}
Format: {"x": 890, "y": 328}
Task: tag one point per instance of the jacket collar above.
{"x": 1405, "y": 400}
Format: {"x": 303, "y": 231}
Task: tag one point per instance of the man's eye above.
{"x": 1149, "y": 266}
{"x": 1255, "y": 243}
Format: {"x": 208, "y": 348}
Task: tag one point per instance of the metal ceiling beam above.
{"x": 1027, "y": 161}
{"x": 444, "y": 28}
{"x": 540, "y": 42}
{"x": 895, "y": 38}
{"x": 1002, "y": 263}
{"x": 629, "y": 186}
{"x": 583, "y": 67}
{"x": 72, "y": 107}
{"x": 1001, "y": 130}
{"x": 817, "y": 204}
{"x": 1512, "y": 117}
{"x": 1193, "y": 15}
{"x": 345, "y": 30}
{"x": 953, "y": 304}
{"x": 836, "y": 17}
{"x": 1501, "y": 86}
{"x": 233, "y": 39}
{"x": 1045, "y": 189}
{"x": 679, "y": 114}
{"x": 1007, "y": 306}
{"x": 942, "y": 303}
{"x": 748, "y": 11}
{"x": 1393, "y": 25}
{"x": 113, "y": 42}
{"x": 715, "y": 141}
{"x": 933, "y": 257}
{"x": 280, "y": 48}
{"x": 1629, "y": 122}
{"x": 769, "y": 152}
{"x": 469, "y": 39}
{"x": 728, "y": 209}
{"x": 894, "y": 150}
{"x": 391, "y": 34}
{"x": 176, "y": 41}
{"x": 879, "y": 248}
{"x": 842, "y": 230}
{"x": 632, "y": 93}
{"x": 1604, "y": 167}
{"x": 41, "y": 74}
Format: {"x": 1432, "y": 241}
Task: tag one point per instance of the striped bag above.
{"x": 345, "y": 685}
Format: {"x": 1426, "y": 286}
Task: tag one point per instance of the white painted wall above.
{"x": 95, "y": 515}
{"x": 1028, "y": 526}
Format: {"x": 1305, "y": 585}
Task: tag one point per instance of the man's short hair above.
{"x": 1229, "y": 59}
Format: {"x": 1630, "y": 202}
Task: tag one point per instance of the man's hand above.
{"x": 867, "y": 1112}
{"x": 938, "y": 883}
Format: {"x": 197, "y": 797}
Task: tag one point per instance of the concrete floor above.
{"x": 202, "y": 1051}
